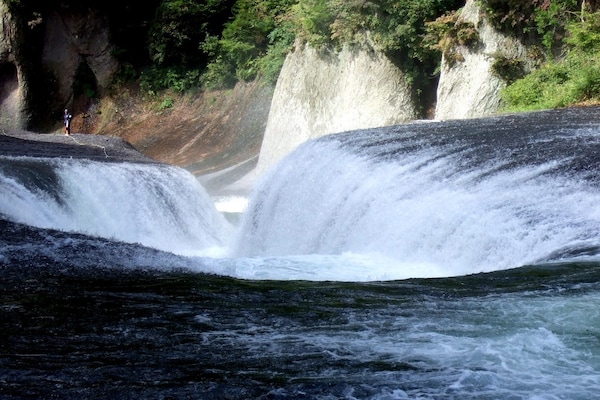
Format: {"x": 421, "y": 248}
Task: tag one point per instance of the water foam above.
{"x": 427, "y": 207}
{"x": 155, "y": 205}
{"x": 414, "y": 201}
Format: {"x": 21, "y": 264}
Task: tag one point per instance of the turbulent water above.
{"x": 439, "y": 260}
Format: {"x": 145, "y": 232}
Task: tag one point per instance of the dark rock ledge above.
{"x": 95, "y": 147}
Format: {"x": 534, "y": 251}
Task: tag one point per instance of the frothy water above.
{"x": 420, "y": 200}
{"x": 431, "y": 203}
{"x": 117, "y": 276}
{"x": 158, "y": 206}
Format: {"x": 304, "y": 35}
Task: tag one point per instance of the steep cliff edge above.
{"x": 322, "y": 92}
{"x": 13, "y": 90}
{"x": 52, "y": 62}
{"x": 77, "y": 51}
{"x": 468, "y": 88}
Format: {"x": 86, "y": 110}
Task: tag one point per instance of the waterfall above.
{"x": 415, "y": 200}
{"x": 454, "y": 197}
{"x": 155, "y": 205}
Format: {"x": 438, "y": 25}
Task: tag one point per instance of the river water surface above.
{"x": 442, "y": 260}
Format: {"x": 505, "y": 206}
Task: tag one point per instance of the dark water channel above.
{"x": 105, "y": 333}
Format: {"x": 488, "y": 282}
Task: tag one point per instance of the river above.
{"x": 434, "y": 260}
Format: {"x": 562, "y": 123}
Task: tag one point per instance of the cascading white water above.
{"x": 387, "y": 204}
{"x": 155, "y": 205}
{"x": 427, "y": 209}
{"x": 417, "y": 200}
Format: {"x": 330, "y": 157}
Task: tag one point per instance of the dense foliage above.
{"x": 185, "y": 44}
{"x": 262, "y": 32}
{"x": 397, "y": 28}
{"x": 182, "y": 44}
{"x": 571, "y": 79}
{"x": 541, "y": 20}
{"x": 192, "y": 43}
{"x": 569, "y": 32}
{"x": 253, "y": 42}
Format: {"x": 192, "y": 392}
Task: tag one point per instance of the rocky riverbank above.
{"x": 96, "y": 147}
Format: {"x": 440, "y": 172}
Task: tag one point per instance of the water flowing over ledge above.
{"x": 418, "y": 200}
{"x": 436, "y": 199}
{"x": 87, "y": 312}
{"x": 156, "y": 205}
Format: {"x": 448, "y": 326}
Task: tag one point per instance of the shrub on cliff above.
{"x": 540, "y": 20}
{"x": 567, "y": 80}
{"x": 397, "y": 28}
{"x": 256, "y": 41}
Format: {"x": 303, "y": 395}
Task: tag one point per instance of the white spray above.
{"x": 425, "y": 212}
{"x": 155, "y": 205}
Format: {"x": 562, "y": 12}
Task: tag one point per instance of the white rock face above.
{"x": 468, "y": 89}
{"x": 322, "y": 93}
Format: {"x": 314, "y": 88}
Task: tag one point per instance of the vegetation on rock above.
{"x": 186, "y": 44}
{"x": 572, "y": 78}
{"x": 569, "y": 34}
{"x": 447, "y": 33}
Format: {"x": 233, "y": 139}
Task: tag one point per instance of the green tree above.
{"x": 567, "y": 80}
{"x": 181, "y": 26}
{"x": 258, "y": 32}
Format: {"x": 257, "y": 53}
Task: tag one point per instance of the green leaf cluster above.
{"x": 542, "y": 21}
{"x": 255, "y": 41}
{"x": 447, "y": 33}
{"x": 567, "y": 80}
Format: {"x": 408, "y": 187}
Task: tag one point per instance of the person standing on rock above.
{"x": 67, "y": 121}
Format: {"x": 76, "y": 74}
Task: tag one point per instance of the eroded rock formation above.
{"x": 42, "y": 57}
{"x": 78, "y": 40}
{"x": 12, "y": 90}
{"x": 468, "y": 88}
{"x": 320, "y": 93}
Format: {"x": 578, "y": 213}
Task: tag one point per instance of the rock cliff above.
{"x": 468, "y": 88}
{"x": 12, "y": 86}
{"x": 76, "y": 41}
{"x": 41, "y": 57}
{"x": 323, "y": 92}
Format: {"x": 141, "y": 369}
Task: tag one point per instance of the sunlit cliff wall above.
{"x": 319, "y": 93}
{"x": 468, "y": 88}
{"x": 12, "y": 87}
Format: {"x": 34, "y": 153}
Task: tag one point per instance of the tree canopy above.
{"x": 182, "y": 44}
